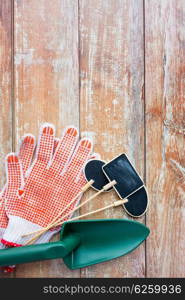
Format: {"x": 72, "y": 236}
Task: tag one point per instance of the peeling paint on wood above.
{"x": 165, "y": 148}
{"x": 46, "y": 83}
{"x": 5, "y": 86}
{"x": 112, "y": 107}
{"x": 5, "y": 82}
{"x": 84, "y": 63}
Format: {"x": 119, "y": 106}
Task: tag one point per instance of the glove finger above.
{"x": 79, "y": 158}
{"x": 14, "y": 174}
{"x": 3, "y": 218}
{"x": 64, "y": 149}
{"x": 56, "y": 142}
{"x": 26, "y": 151}
{"x": 45, "y": 144}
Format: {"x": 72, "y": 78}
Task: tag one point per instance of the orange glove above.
{"x": 17, "y": 173}
{"x": 53, "y": 181}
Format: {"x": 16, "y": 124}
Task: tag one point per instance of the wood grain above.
{"x": 111, "y": 102}
{"x": 116, "y": 70}
{"x": 5, "y": 87}
{"x": 165, "y": 124}
{"x": 5, "y": 81}
{"x": 46, "y": 82}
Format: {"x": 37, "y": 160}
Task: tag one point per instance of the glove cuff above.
{"x": 2, "y": 231}
{"x": 17, "y": 227}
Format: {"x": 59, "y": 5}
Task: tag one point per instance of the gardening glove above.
{"x": 52, "y": 183}
{"x": 25, "y": 156}
{"x": 14, "y": 180}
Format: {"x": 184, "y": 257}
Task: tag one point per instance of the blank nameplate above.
{"x": 121, "y": 170}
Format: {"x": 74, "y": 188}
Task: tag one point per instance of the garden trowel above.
{"x": 83, "y": 243}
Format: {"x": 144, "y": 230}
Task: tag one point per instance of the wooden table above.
{"x": 115, "y": 69}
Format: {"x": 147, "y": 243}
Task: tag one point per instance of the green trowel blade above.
{"x": 83, "y": 243}
{"x": 102, "y": 240}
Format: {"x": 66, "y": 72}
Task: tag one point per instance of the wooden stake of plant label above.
{"x": 53, "y": 224}
{"x": 59, "y": 223}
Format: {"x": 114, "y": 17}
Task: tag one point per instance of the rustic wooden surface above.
{"x": 116, "y": 70}
{"x": 165, "y": 129}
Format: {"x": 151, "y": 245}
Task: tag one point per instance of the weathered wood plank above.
{"x": 165, "y": 127}
{"x": 111, "y": 101}
{"x": 5, "y": 81}
{"x": 112, "y": 108}
{"x": 46, "y": 82}
{"x": 5, "y": 86}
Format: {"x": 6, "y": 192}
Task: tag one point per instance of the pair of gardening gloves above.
{"x": 39, "y": 188}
